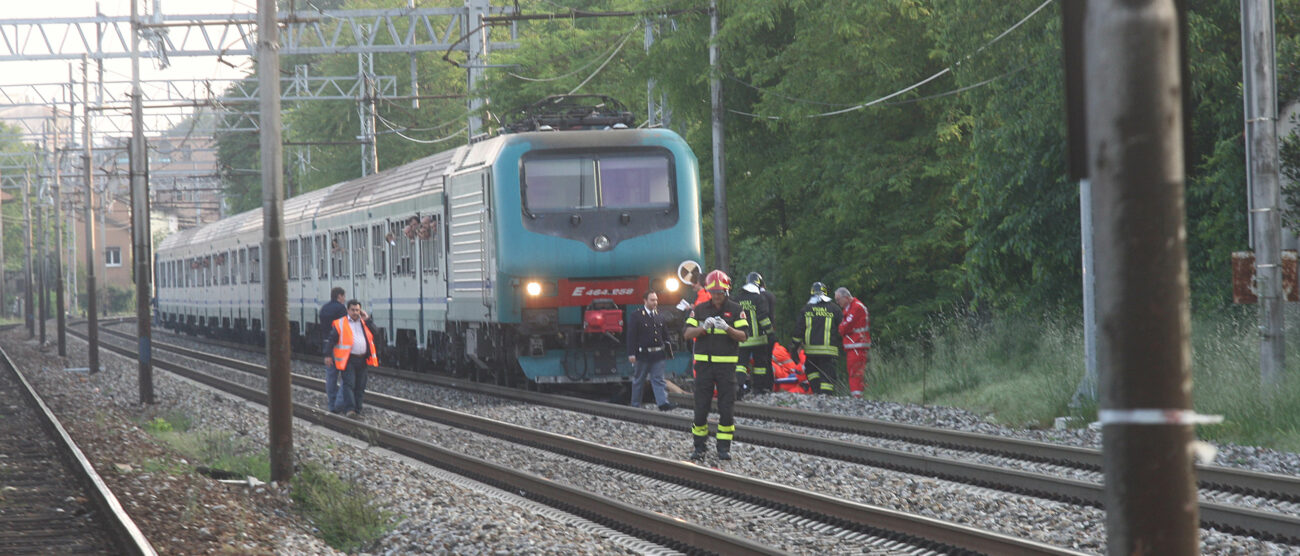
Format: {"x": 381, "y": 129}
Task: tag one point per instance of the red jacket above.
{"x": 856, "y": 326}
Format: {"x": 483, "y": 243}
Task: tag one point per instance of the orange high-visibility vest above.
{"x": 343, "y": 349}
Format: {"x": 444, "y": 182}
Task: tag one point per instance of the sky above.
{"x": 57, "y": 71}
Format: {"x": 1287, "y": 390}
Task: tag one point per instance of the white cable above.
{"x": 923, "y": 81}
{"x": 584, "y": 66}
{"x": 602, "y": 66}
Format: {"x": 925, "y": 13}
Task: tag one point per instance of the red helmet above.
{"x": 717, "y": 280}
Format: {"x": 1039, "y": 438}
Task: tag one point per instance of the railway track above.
{"x": 1244, "y": 487}
{"x": 51, "y": 499}
{"x": 886, "y": 527}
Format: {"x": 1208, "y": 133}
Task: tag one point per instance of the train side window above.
{"x": 322, "y": 257}
{"x": 292, "y": 255}
{"x": 428, "y": 235}
{"x": 243, "y": 264}
{"x": 359, "y": 251}
{"x": 378, "y": 251}
{"x": 254, "y": 265}
{"x": 306, "y": 258}
{"x": 207, "y": 270}
{"x": 232, "y": 269}
{"x": 339, "y": 255}
{"x": 395, "y": 233}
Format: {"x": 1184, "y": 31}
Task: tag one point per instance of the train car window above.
{"x": 339, "y": 255}
{"x": 292, "y": 255}
{"x": 207, "y": 270}
{"x": 254, "y": 265}
{"x": 560, "y": 183}
{"x": 394, "y": 239}
{"x": 377, "y": 250}
{"x": 359, "y": 251}
{"x": 635, "y": 181}
{"x": 232, "y": 268}
{"x": 306, "y": 258}
{"x": 322, "y": 258}
{"x": 428, "y": 235}
{"x": 243, "y": 264}
{"x": 615, "y": 179}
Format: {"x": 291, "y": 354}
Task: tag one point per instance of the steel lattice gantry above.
{"x": 404, "y": 30}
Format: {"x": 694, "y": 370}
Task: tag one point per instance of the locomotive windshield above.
{"x": 617, "y": 180}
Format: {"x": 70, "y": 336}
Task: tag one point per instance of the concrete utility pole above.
{"x": 92, "y": 315}
{"x": 721, "y": 252}
{"x": 72, "y": 220}
{"x": 42, "y": 259}
{"x": 275, "y": 282}
{"x": 477, "y": 47}
{"x": 58, "y": 241}
{"x": 142, "y": 253}
{"x": 29, "y": 296}
{"x": 1135, "y": 157}
{"x": 1258, "y": 68}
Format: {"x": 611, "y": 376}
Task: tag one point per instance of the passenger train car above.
{"x": 514, "y": 257}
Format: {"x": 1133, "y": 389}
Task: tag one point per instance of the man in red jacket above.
{"x": 856, "y": 331}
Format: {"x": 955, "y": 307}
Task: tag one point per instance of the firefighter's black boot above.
{"x": 701, "y": 446}
{"x": 724, "y": 450}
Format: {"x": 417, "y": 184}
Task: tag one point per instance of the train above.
{"x": 514, "y": 259}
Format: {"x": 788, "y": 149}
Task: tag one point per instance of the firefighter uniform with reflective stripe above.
{"x": 818, "y": 330}
{"x": 716, "y": 354}
{"x": 856, "y": 331}
{"x": 755, "y": 350}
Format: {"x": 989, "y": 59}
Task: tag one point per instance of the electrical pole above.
{"x": 92, "y": 316}
{"x": 41, "y": 258}
{"x": 477, "y": 47}
{"x": 29, "y": 297}
{"x": 721, "y": 253}
{"x": 141, "y": 253}
{"x": 58, "y": 237}
{"x": 1135, "y": 156}
{"x": 1258, "y": 68}
{"x": 275, "y": 282}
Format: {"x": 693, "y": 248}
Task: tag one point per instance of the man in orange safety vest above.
{"x": 351, "y": 349}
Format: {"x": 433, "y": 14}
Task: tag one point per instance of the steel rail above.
{"x": 912, "y": 529}
{"x": 124, "y": 532}
{"x": 1266, "y": 525}
{"x": 652, "y": 526}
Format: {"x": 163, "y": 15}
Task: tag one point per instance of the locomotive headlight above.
{"x": 672, "y": 284}
{"x": 601, "y": 242}
{"x": 533, "y": 288}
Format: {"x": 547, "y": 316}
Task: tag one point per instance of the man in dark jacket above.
{"x": 818, "y": 331}
{"x": 329, "y": 312}
{"x": 753, "y": 372}
{"x": 647, "y": 350}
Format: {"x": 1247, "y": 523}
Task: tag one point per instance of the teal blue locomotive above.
{"x": 512, "y": 259}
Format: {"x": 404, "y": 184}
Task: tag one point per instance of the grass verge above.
{"x": 1024, "y": 371}
{"x": 345, "y": 516}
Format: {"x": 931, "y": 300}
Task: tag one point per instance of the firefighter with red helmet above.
{"x": 818, "y": 332}
{"x": 855, "y": 329}
{"x": 717, "y": 327}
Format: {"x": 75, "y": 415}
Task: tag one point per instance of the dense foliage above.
{"x": 950, "y": 194}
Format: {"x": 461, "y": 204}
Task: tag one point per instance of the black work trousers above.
{"x": 760, "y": 374}
{"x": 710, "y": 377}
{"x": 823, "y": 366}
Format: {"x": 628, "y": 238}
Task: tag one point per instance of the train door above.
{"x": 470, "y": 264}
